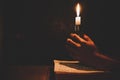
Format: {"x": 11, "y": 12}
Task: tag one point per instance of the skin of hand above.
{"x": 85, "y": 50}
{"x": 83, "y": 47}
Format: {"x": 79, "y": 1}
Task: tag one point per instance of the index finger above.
{"x": 78, "y": 37}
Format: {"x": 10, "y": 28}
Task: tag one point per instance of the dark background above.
{"x": 35, "y": 31}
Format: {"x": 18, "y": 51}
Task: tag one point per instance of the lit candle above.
{"x": 77, "y": 18}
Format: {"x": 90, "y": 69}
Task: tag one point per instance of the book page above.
{"x": 62, "y": 66}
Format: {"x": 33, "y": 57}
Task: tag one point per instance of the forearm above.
{"x": 101, "y": 61}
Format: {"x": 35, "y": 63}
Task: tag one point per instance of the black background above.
{"x": 35, "y": 31}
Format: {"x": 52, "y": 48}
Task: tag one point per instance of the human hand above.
{"x": 84, "y": 48}
{"x": 86, "y": 52}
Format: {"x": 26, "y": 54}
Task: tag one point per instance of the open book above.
{"x": 73, "y": 70}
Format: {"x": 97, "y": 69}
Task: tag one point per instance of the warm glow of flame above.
{"x": 78, "y": 9}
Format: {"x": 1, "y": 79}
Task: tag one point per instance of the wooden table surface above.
{"x": 42, "y": 72}
{"x": 27, "y": 73}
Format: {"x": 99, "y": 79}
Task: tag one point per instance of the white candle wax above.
{"x": 77, "y": 21}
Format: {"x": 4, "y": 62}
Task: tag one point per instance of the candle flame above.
{"x": 78, "y": 9}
